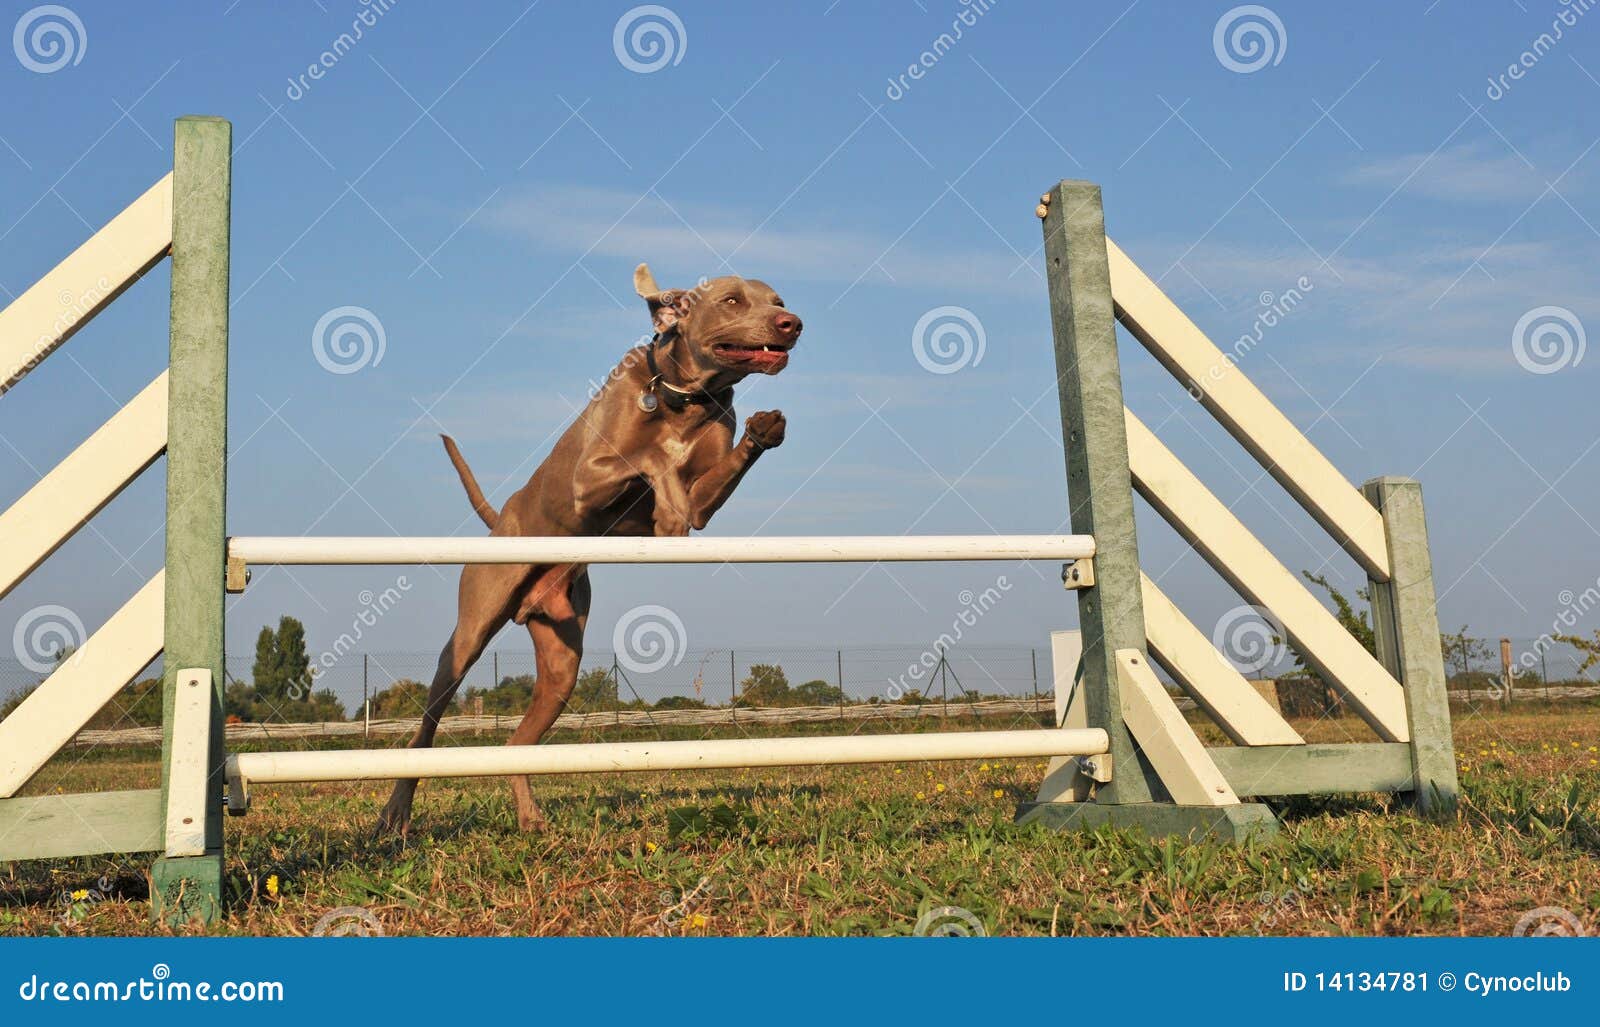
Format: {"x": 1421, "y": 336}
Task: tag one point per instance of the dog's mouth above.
{"x": 768, "y": 358}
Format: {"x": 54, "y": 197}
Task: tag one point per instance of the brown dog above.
{"x": 652, "y": 454}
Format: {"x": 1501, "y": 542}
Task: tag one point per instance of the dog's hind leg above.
{"x": 486, "y": 592}
{"x": 558, "y": 651}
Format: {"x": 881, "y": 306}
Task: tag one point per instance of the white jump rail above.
{"x": 794, "y": 549}
{"x": 247, "y": 768}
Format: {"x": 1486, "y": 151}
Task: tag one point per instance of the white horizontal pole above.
{"x": 842, "y": 549}
{"x": 505, "y": 760}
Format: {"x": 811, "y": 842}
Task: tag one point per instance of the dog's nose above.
{"x": 787, "y": 324}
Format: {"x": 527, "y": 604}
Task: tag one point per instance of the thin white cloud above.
{"x": 1474, "y": 172}
{"x": 682, "y": 240}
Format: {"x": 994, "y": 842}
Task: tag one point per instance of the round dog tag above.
{"x": 647, "y": 402}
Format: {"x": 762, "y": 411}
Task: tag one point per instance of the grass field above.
{"x": 866, "y": 851}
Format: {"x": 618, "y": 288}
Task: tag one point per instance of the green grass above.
{"x": 866, "y": 850}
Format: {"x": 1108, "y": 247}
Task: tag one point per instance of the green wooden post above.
{"x": 1099, "y": 487}
{"x": 1100, "y": 492}
{"x": 1406, "y": 629}
{"x": 188, "y": 887}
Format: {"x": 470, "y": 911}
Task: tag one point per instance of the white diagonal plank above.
{"x": 65, "y": 702}
{"x": 89, "y": 478}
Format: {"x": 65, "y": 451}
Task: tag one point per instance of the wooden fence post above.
{"x": 1100, "y": 493}
{"x": 1406, "y": 631}
{"x": 190, "y": 886}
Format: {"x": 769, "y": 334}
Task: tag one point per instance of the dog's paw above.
{"x": 766, "y": 428}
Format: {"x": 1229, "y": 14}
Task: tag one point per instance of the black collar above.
{"x": 675, "y": 398}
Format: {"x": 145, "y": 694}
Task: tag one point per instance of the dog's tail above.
{"x": 490, "y": 515}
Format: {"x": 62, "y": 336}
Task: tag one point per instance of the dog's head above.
{"x": 728, "y": 325}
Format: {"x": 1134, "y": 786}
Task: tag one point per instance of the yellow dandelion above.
{"x": 698, "y": 920}
{"x": 938, "y": 788}
{"x": 1483, "y": 752}
{"x": 999, "y": 794}
{"x": 650, "y": 846}
{"x": 897, "y": 770}
{"x": 1574, "y": 745}
{"x": 80, "y": 895}
{"x": 272, "y": 885}
{"x": 921, "y": 796}
{"x": 984, "y": 767}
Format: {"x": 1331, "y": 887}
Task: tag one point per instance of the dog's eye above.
{"x": 732, "y": 299}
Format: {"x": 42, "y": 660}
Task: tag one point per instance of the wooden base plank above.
{"x": 1235, "y": 825}
{"x": 1316, "y": 769}
{"x": 53, "y": 826}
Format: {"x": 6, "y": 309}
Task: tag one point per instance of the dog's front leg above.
{"x": 762, "y": 431}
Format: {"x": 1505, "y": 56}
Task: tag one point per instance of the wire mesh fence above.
{"x": 385, "y": 692}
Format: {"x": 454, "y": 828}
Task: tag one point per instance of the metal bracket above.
{"x": 238, "y": 575}
{"x": 1096, "y": 768}
{"x": 238, "y": 798}
{"x": 1077, "y": 574}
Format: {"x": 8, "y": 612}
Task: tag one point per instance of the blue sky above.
{"x": 482, "y": 178}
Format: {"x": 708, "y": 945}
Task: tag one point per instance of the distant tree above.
{"x": 405, "y": 699}
{"x": 137, "y": 705}
{"x": 596, "y": 690}
{"x": 767, "y": 685}
{"x": 1461, "y": 649}
{"x": 509, "y": 697}
{"x": 1589, "y": 647}
{"x": 282, "y": 669}
{"x": 679, "y": 702}
{"x": 817, "y": 693}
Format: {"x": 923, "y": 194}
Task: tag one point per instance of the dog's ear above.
{"x": 667, "y": 306}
